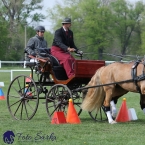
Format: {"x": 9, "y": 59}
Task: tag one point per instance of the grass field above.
{"x": 39, "y": 130}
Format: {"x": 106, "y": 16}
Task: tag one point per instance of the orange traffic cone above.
{"x": 27, "y": 79}
{"x": 72, "y": 116}
{"x": 123, "y": 115}
{"x": 1, "y": 95}
{"x": 58, "y": 118}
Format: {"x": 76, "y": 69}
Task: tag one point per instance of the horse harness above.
{"x": 134, "y": 74}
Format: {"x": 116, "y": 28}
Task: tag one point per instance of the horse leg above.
{"x": 142, "y": 102}
{"x": 113, "y": 108}
{"x": 118, "y": 92}
{"x": 106, "y": 105}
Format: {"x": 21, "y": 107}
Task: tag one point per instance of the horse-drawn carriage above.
{"x": 102, "y": 84}
{"x": 49, "y": 81}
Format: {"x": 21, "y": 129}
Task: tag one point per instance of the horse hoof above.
{"x": 113, "y": 122}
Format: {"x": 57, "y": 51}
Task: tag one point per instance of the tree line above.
{"x": 102, "y": 28}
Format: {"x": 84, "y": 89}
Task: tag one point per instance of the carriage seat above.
{"x": 58, "y": 69}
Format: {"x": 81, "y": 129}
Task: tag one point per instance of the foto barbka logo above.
{"x": 39, "y": 137}
{"x": 8, "y": 137}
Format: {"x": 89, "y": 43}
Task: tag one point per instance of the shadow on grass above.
{"x": 90, "y": 120}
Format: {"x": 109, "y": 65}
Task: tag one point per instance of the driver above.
{"x": 63, "y": 45}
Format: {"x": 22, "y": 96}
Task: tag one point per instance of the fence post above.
{"x": 25, "y": 64}
{"x": 11, "y": 75}
{"x": 0, "y": 63}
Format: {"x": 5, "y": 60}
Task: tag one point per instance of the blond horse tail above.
{"x": 95, "y": 96}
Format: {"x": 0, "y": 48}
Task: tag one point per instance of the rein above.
{"x": 126, "y": 81}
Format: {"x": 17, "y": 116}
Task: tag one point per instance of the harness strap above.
{"x": 134, "y": 75}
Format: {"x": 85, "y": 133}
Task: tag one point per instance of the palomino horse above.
{"x": 119, "y": 78}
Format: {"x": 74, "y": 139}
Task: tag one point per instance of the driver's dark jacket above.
{"x": 34, "y": 44}
{"x": 62, "y": 40}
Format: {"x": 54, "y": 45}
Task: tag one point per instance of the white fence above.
{"x": 13, "y": 62}
{"x": 12, "y": 72}
{"x": 24, "y": 62}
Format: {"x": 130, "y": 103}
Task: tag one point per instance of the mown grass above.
{"x": 88, "y": 132}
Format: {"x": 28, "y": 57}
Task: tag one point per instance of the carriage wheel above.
{"x": 57, "y": 99}
{"x": 98, "y": 116}
{"x": 22, "y": 98}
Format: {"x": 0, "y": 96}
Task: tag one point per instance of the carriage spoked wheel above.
{"x": 99, "y": 115}
{"x": 57, "y": 99}
{"x": 77, "y": 101}
{"x": 22, "y": 98}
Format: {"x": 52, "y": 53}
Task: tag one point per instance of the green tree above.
{"x": 4, "y": 40}
{"x": 112, "y": 26}
{"x": 96, "y": 26}
{"x": 49, "y": 38}
{"x": 17, "y": 13}
{"x": 88, "y": 23}
{"x": 126, "y": 26}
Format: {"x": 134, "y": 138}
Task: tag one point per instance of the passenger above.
{"x": 63, "y": 45}
{"x": 36, "y": 43}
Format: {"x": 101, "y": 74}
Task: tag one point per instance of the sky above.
{"x": 50, "y": 3}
